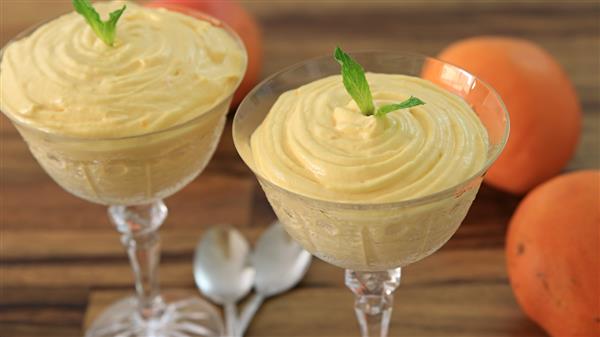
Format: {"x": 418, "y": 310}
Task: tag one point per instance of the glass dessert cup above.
{"x": 373, "y": 241}
{"x": 132, "y": 175}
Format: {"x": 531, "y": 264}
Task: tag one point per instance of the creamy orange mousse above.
{"x": 355, "y": 169}
{"x": 78, "y": 101}
{"x": 164, "y": 69}
{"x": 316, "y": 142}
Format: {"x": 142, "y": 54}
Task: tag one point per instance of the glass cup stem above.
{"x": 374, "y": 299}
{"x": 138, "y": 226}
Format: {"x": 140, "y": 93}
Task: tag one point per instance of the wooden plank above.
{"x": 478, "y": 310}
{"x": 208, "y": 200}
{"x": 62, "y": 246}
{"x": 447, "y": 265}
{"x": 483, "y": 228}
{"x": 55, "y": 328}
{"x": 93, "y": 258}
{"x": 569, "y": 30}
{"x": 42, "y": 311}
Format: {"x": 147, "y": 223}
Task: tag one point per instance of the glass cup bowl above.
{"x": 372, "y": 241}
{"x": 130, "y": 170}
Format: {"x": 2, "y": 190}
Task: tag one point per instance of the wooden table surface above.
{"x": 61, "y": 261}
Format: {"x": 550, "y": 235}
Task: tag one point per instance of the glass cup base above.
{"x": 183, "y": 317}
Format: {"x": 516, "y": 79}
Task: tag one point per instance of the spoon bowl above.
{"x": 222, "y": 269}
{"x": 279, "y": 261}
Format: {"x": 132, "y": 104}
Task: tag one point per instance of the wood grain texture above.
{"x": 61, "y": 262}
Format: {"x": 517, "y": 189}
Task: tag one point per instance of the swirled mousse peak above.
{"x": 315, "y": 141}
{"x": 163, "y": 69}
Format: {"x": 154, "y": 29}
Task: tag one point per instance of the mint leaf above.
{"x": 409, "y": 103}
{"x": 106, "y": 30}
{"x": 355, "y": 82}
{"x": 357, "y": 86}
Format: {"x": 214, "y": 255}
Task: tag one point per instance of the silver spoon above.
{"x": 280, "y": 263}
{"x": 222, "y": 270}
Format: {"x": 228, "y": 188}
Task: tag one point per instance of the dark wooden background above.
{"x": 61, "y": 262}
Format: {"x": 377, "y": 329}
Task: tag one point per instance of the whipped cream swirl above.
{"x": 164, "y": 69}
{"x": 316, "y": 142}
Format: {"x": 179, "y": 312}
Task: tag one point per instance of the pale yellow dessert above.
{"x": 315, "y": 142}
{"x": 78, "y": 102}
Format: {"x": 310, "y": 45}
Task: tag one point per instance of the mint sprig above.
{"x": 355, "y": 82}
{"x": 409, "y": 103}
{"x": 106, "y": 30}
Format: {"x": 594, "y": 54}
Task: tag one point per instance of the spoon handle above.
{"x": 249, "y": 311}
{"x": 230, "y": 319}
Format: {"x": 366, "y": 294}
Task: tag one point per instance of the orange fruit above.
{"x": 553, "y": 254}
{"x": 236, "y": 17}
{"x": 544, "y": 109}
